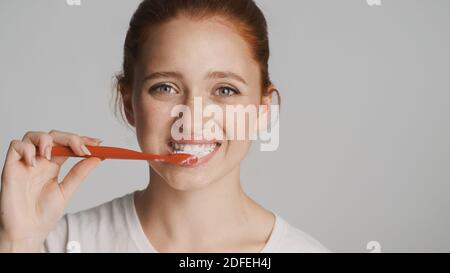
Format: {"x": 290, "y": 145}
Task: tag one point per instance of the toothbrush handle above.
{"x": 104, "y": 152}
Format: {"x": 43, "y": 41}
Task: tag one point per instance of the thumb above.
{"x": 77, "y": 174}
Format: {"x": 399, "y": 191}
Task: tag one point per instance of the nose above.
{"x": 193, "y": 119}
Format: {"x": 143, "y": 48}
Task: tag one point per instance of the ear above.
{"x": 127, "y": 95}
{"x": 267, "y": 97}
{"x": 266, "y": 102}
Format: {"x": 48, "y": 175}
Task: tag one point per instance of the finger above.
{"x": 74, "y": 141}
{"x": 77, "y": 143}
{"x": 59, "y": 159}
{"x": 86, "y": 140}
{"x": 19, "y": 150}
{"x": 91, "y": 140}
{"x": 42, "y": 140}
{"x": 77, "y": 174}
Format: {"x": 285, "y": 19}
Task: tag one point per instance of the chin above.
{"x": 198, "y": 175}
{"x": 184, "y": 182}
{"x": 186, "y": 178}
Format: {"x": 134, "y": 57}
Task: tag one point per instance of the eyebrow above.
{"x": 210, "y": 75}
{"x": 157, "y": 75}
{"x": 225, "y": 74}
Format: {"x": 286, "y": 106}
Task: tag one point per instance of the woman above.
{"x": 175, "y": 51}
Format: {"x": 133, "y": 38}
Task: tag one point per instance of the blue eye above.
{"x": 226, "y": 91}
{"x": 163, "y": 89}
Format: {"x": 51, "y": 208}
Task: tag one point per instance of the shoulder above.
{"x": 287, "y": 238}
{"x": 91, "y": 229}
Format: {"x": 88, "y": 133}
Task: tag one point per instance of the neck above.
{"x": 193, "y": 216}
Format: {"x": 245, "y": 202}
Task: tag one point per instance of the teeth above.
{"x": 198, "y": 150}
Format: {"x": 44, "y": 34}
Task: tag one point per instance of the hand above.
{"x": 31, "y": 198}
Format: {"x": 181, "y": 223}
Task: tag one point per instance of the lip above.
{"x": 201, "y": 160}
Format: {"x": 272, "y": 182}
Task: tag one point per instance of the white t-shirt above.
{"x": 115, "y": 227}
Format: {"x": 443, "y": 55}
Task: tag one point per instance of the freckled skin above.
{"x": 192, "y": 48}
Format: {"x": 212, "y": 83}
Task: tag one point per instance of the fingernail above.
{"x": 48, "y": 152}
{"x": 95, "y": 139}
{"x": 85, "y": 149}
{"x": 33, "y": 162}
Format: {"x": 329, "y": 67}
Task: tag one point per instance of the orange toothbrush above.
{"x": 105, "y": 152}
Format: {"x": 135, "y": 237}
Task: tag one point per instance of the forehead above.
{"x": 197, "y": 46}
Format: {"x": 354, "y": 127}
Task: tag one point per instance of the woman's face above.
{"x": 186, "y": 59}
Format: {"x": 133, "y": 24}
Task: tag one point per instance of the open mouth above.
{"x": 201, "y": 149}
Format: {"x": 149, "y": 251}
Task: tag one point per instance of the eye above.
{"x": 226, "y": 91}
{"x": 163, "y": 89}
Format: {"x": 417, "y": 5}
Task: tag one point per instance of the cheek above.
{"x": 152, "y": 112}
{"x": 242, "y": 123}
{"x": 153, "y": 123}
{"x": 236, "y": 151}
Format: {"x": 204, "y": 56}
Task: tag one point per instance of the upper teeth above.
{"x": 198, "y": 150}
